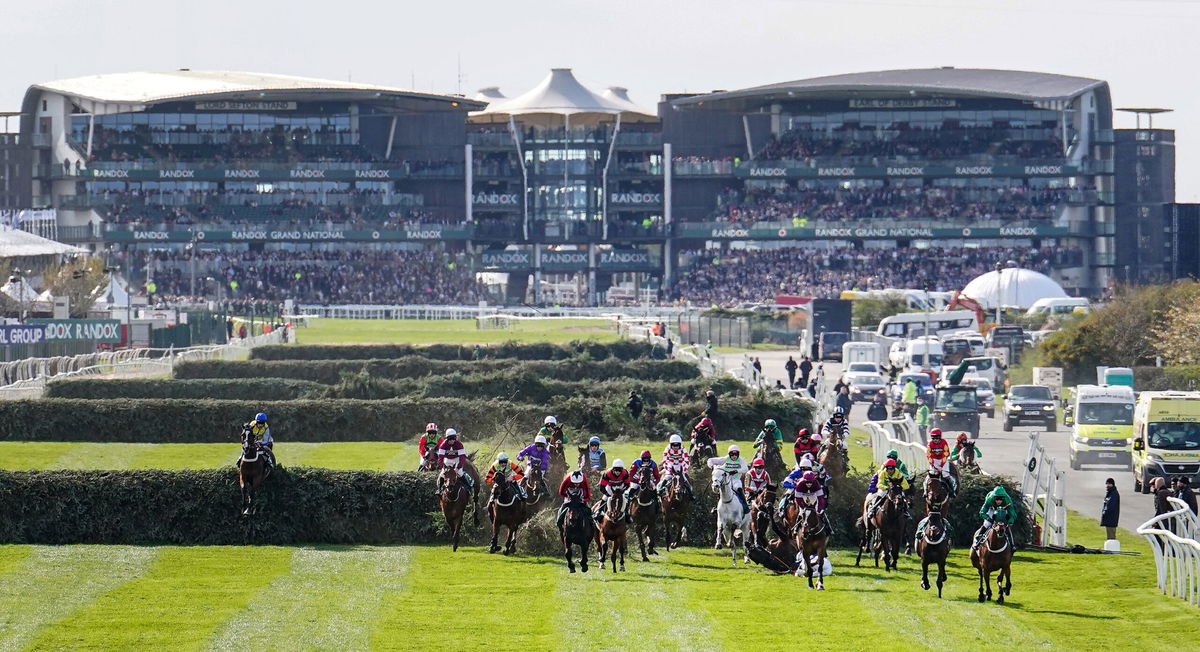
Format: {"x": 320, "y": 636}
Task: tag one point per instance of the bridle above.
{"x": 502, "y": 484}
{"x": 987, "y": 540}
{"x": 925, "y": 531}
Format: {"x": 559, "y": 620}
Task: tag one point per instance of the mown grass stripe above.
{"x": 177, "y": 604}
{"x": 497, "y": 603}
{"x": 52, "y": 583}
{"x": 186, "y": 456}
{"x": 646, "y": 599}
{"x": 11, "y": 556}
{"x": 328, "y": 601}
{"x": 100, "y": 456}
{"x": 31, "y": 455}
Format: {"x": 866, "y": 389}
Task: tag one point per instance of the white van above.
{"x": 924, "y": 353}
{"x": 989, "y": 367}
{"x": 860, "y": 352}
{"x": 1059, "y": 306}
{"x": 905, "y": 325}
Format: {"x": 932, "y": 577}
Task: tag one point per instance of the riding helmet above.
{"x": 550, "y": 421}
{"x": 759, "y": 462}
{"x": 646, "y": 455}
{"x": 431, "y": 427}
{"x": 261, "y": 417}
{"x": 893, "y": 455}
{"x": 936, "y": 432}
{"x": 962, "y": 436}
{"x": 451, "y": 432}
{"x": 594, "y": 440}
{"x": 577, "y": 476}
{"x": 769, "y": 423}
{"x": 733, "y": 449}
{"x": 540, "y": 439}
{"x": 891, "y": 464}
{"x": 676, "y": 439}
{"x": 809, "y": 476}
{"x": 817, "y": 436}
{"x": 618, "y": 463}
{"x": 502, "y": 458}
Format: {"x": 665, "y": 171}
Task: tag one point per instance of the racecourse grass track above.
{"x": 364, "y": 456}
{"x": 453, "y": 331}
{"x": 332, "y": 597}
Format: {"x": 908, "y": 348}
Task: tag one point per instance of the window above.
{"x": 1174, "y": 435}
{"x": 1120, "y": 414}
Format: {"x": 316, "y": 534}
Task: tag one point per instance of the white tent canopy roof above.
{"x": 19, "y": 290}
{"x": 560, "y": 93}
{"x": 15, "y": 243}
{"x": 489, "y": 94}
{"x": 112, "y": 295}
{"x": 1012, "y": 288}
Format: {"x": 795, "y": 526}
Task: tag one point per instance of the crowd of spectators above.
{"x": 903, "y": 141}
{"x": 323, "y": 277}
{"x": 890, "y": 202}
{"x": 726, "y": 280}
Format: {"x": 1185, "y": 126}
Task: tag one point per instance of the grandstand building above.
{"x": 574, "y": 195}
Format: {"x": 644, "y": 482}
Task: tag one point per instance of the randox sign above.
{"x": 22, "y": 334}
{"x": 720, "y": 232}
{"x": 94, "y": 330}
{"x": 416, "y": 232}
{"x": 777, "y": 170}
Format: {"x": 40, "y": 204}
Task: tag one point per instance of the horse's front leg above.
{"x": 941, "y": 576}
{"x": 567, "y": 553}
{"x": 924, "y": 572}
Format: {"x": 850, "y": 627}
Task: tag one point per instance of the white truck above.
{"x": 1051, "y": 377}
{"x": 860, "y": 352}
{"x": 924, "y": 353}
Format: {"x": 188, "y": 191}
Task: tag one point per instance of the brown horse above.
{"x": 577, "y": 530}
{"x": 536, "y": 491}
{"x": 812, "y": 538}
{"x": 994, "y": 554}
{"x": 966, "y": 458}
{"x": 644, "y": 511}
{"x": 884, "y": 531}
{"x": 702, "y": 448}
{"x": 613, "y": 529}
{"x": 769, "y": 454}
{"x": 252, "y": 470}
{"x": 830, "y": 457}
{"x": 558, "y": 454}
{"x": 453, "y": 500}
{"x": 429, "y": 462}
{"x": 504, "y": 510}
{"x": 937, "y": 496}
{"x": 676, "y": 505}
{"x": 762, "y": 516}
{"x": 933, "y": 546}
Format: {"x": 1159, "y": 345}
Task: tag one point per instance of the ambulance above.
{"x": 1102, "y": 426}
{"x": 1166, "y": 437}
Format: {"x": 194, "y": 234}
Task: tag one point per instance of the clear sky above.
{"x": 1146, "y": 49}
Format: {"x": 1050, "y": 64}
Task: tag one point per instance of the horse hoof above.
{"x": 622, "y": 568}
{"x": 572, "y": 568}
{"x": 645, "y": 558}
{"x": 925, "y": 585}
{"x": 1000, "y": 600}
{"x": 820, "y": 587}
{"x": 718, "y": 547}
{"x": 981, "y": 598}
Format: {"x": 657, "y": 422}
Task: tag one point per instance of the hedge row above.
{"x": 265, "y": 389}
{"x": 329, "y": 372}
{"x": 205, "y": 420}
{"x": 299, "y": 505}
{"x": 303, "y": 505}
{"x": 620, "y": 350}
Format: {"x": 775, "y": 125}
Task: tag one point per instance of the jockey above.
{"x": 645, "y": 459}
{"x": 551, "y": 429}
{"x": 962, "y": 444}
{"x": 705, "y": 427}
{"x": 261, "y": 433}
{"x": 838, "y": 426}
{"x": 895, "y": 455}
{"x": 802, "y": 486}
{"x": 757, "y": 479}
{"x": 573, "y": 485}
{"x": 429, "y": 441}
{"x": 452, "y": 455}
{"x": 809, "y": 462}
{"x": 734, "y": 468}
{"x": 615, "y": 480}
{"x": 508, "y": 469}
{"x": 805, "y": 444}
{"x": 890, "y": 473}
{"x": 938, "y": 452}
{"x": 675, "y": 464}
{"x": 593, "y": 456}
{"x": 997, "y": 507}
{"x": 538, "y": 455}
{"x": 770, "y": 431}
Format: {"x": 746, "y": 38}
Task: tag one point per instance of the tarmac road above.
{"x": 1007, "y": 452}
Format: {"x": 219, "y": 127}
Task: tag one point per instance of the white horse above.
{"x": 732, "y": 519}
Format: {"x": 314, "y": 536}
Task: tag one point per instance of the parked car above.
{"x": 985, "y": 395}
{"x": 859, "y": 368}
{"x": 865, "y": 387}
{"x": 1030, "y": 403}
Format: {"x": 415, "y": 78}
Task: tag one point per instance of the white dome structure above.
{"x": 1012, "y": 287}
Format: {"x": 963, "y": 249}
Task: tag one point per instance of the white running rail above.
{"x": 1172, "y": 537}
{"x": 1045, "y": 491}
{"x": 899, "y": 435}
{"x": 129, "y": 363}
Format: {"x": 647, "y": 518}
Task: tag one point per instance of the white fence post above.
{"x": 1172, "y": 537}
{"x": 1045, "y": 490}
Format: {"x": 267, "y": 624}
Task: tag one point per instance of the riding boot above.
{"x": 828, "y": 523}
{"x": 741, "y": 494}
{"x": 438, "y": 489}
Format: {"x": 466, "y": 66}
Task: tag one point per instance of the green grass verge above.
{"x": 119, "y": 597}
{"x": 452, "y": 331}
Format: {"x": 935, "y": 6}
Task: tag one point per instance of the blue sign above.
{"x": 23, "y": 334}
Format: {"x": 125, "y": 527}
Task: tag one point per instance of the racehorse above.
{"x": 937, "y": 496}
{"x": 732, "y": 519}
{"x": 644, "y": 511}
{"x": 762, "y": 514}
{"x": 578, "y": 530}
{"x": 888, "y": 526}
{"x": 504, "y": 510}
{"x": 676, "y": 505}
{"x": 557, "y": 467}
{"x": 535, "y": 487}
{"x": 966, "y": 458}
{"x": 769, "y": 454}
{"x": 429, "y": 462}
{"x": 830, "y": 457}
{"x": 613, "y": 529}
{"x": 811, "y": 538}
{"x": 994, "y": 554}
{"x": 453, "y": 500}
{"x": 702, "y": 448}
{"x": 252, "y": 471}
{"x": 933, "y": 546}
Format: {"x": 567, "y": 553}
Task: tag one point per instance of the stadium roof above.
{"x": 944, "y": 82}
{"x": 153, "y": 87}
{"x": 15, "y": 243}
{"x": 560, "y": 93}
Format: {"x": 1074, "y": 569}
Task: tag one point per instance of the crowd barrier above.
{"x": 29, "y": 377}
{"x": 1173, "y": 538}
{"x": 1045, "y": 490}
{"x": 899, "y": 435}
{"x": 659, "y": 313}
